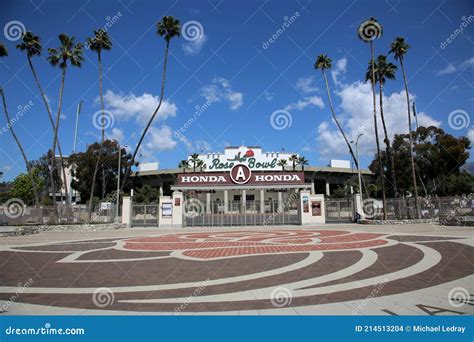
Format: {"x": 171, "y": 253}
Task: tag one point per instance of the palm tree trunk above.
{"x": 417, "y": 208}
{"x": 377, "y": 132}
{"x": 337, "y": 122}
{"x": 94, "y": 177}
{"x": 23, "y": 154}
{"x": 55, "y": 138}
{"x": 387, "y": 143}
{"x": 50, "y": 116}
{"x": 132, "y": 161}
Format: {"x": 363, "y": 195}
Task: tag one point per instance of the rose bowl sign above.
{"x": 240, "y": 174}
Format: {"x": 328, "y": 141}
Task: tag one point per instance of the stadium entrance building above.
{"x": 243, "y": 186}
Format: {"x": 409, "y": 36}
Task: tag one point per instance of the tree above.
{"x": 100, "y": 41}
{"x": 200, "y": 164}
{"x": 4, "y": 53}
{"x": 31, "y": 44}
{"x": 302, "y": 161}
{"x": 42, "y": 166}
{"x": 147, "y": 194}
{"x": 282, "y": 163}
{"x": 168, "y": 28}
{"x": 384, "y": 70}
{"x": 323, "y": 62}
{"x": 368, "y": 31}
{"x": 84, "y": 165}
{"x": 195, "y": 161}
{"x": 184, "y": 164}
{"x": 23, "y": 187}
{"x": 400, "y": 48}
{"x": 71, "y": 52}
{"x": 294, "y": 160}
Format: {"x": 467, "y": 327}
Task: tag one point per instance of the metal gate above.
{"x": 145, "y": 215}
{"x": 339, "y": 210}
{"x": 237, "y": 214}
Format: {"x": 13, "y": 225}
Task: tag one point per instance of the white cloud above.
{"x": 355, "y": 114}
{"x": 221, "y": 90}
{"x": 194, "y": 47}
{"x": 115, "y": 134}
{"x": 125, "y": 107}
{"x": 307, "y": 101}
{"x": 338, "y": 71}
{"x": 268, "y": 95}
{"x": 455, "y": 67}
{"x": 306, "y": 85}
{"x": 470, "y": 135}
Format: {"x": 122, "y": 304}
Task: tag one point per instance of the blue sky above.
{"x": 237, "y": 74}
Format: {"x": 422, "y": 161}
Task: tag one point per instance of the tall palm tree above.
{"x": 71, "y": 52}
{"x": 100, "y": 41}
{"x": 4, "y": 53}
{"x": 168, "y": 28}
{"x": 282, "y": 163}
{"x": 323, "y": 62}
{"x": 400, "y": 48}
{"x": 200, "y": 164}
{"x": 368, "y": 31}
{"x": 384, "y": 70}
{"x": 302, "y": 161}
{"x": 31, "y": 44}
{"x": 294, "y": 160}
{"x": 195, "y": 160}
{"x": 184, "y": 164}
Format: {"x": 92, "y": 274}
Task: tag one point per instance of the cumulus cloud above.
{"x": 355, "y": 113}
{"x": 306, "y": 102}
{"x": 219, "y": 90}
{"x": 194, "y": 47}
{"x": 470, "y": 135}
{"x": 338, "y": 71}
{"x": 451, "y": 68}
{"x": 115, "y": 134}
{"x": 130, "y": 106}
{"x": 306, "y": 85}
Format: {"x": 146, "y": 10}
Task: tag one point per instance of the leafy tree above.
{"x": 42, "y": 166}
{"x": 23, "y": 187}
{"x": 83, "y": 164}
{"x": 147, "y": 194}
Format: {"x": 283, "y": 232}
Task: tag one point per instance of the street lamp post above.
{"x": 117, "y": 204}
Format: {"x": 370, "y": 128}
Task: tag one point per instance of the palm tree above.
{"x": 31, "y": 44}
{"x": 168, "y": 28}
{"x": 100, "y": 41}
{"x": 400, "y": 48}
{"x": 282, "y": 163}
{"x": 368, "y": 31}
{"x": 200, "y": 164}
{"x": 195, "y": 159}
{"x": 302, "y": 161}
{"x": 184, "y": 164}
{"x": 323, "y": 62}
{"x": 67, "y": 51}
{"x": 4, "y": 53}
{"x": 294, "y": 159}
{"x": 384, "y": 70}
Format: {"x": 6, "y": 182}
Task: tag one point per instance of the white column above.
{"x": 208, "y": 203}
{"x": 262, "y": 201}
{"x": 177, "y": 215}
{"x": 313, "y": 191}
{"x": 226, "y": 201}
{"x": 328, "y": 191}
{"x": 244, "y": 200}
{"x": 127, "y": 211}
{"x": 280, "y": 201}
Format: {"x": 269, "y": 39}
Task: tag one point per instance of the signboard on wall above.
{"x": 167, "y": 209}
{"x": 316, "y": 208}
